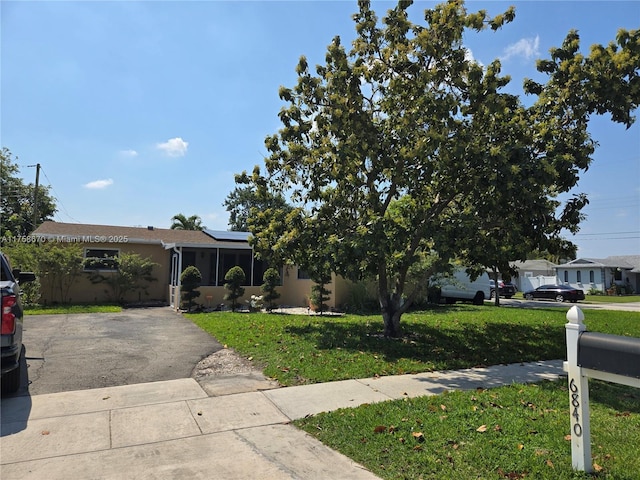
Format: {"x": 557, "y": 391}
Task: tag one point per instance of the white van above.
{"x": 460, "y": 287}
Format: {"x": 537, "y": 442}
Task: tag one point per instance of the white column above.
{"x": 578, "y": 395}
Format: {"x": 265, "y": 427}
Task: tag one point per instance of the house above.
{"x": 615, "y": 274}
{"x": 534, "y": 273}
{"x": 214, "y": 253}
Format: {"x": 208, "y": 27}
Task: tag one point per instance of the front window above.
{"x": 592, "y": 276}
{"x": 104, "y": 259}
{"x": 579, "y": 276}
{"x": 566, "y": 276}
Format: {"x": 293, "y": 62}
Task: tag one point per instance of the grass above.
{"x": 302, "y": 349}
{"x": 600, "y": 298}
{"x": 70, "y": 309}
{"x": 518, "y": 431}
{"x": 612, "y": 298}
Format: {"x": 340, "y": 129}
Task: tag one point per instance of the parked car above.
{"x": 559, "y": 293}
{"x": 505, "y": 289}
{"x": 12, "y": 317}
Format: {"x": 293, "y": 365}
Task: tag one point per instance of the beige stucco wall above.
{"x": 83, "y": 291}
{"x": 293, "y": 292}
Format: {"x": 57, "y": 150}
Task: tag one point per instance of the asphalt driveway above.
{"x": 83, "y": 351}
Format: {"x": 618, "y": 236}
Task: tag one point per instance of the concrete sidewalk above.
{"x": 175, "y": 430}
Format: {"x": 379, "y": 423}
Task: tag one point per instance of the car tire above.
{"x": 559, "y": 298}
{"x": 11, "y": 381}
{"x": 478, "y": 299}
{"x": 529, "y": 296}
{"x": 508, "y": 296}
{"x": 493, "y": 294}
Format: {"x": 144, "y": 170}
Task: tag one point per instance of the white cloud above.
{"x": 129, "y": 153}
{"x": 527, "y": 48}
{"x": 174, "y": 147}
{"x": 98, "y": 184}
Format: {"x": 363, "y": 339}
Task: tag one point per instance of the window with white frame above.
{"x": 592, "y": 276}
{"x": 579, "y": 276}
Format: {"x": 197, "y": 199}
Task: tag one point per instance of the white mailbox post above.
{"x": 578, "y": 395}
{"x": 611, "y": 358}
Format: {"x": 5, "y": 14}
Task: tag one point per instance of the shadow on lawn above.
{"x": 447, "y": 346}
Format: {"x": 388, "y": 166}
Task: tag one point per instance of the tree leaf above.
{"x": 481, "y": 429}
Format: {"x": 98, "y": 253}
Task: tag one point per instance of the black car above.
{"x": 505, "y": 289}
{"x": 11, "y": 338}
{"x": 559, "y": 293}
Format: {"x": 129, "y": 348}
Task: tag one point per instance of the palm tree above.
{"x": 180, "y": 222}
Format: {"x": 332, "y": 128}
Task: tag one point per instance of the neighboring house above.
{"x": 534, "y": 273}
{"x": 214, "y": 253}
{"x": 592, "y": 274}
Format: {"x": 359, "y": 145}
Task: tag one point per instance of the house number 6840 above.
{"x": 575, "y": 403}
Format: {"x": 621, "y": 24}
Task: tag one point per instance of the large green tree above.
{"x": 244, "y": 199}
{"x": 17, "y": 200}
{"x": 399, "y": 150}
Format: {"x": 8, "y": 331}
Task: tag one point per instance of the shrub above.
{"x": 319, "y": 293}
{"x": 133, "y": 273}
{"x": 271, "y": 280}
{"x": 234, "y": 279}
{"x": 190, "y": 280}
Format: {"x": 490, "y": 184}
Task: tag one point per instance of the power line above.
{"x": 58, "y": 199}
{"x": 607, "y": 233}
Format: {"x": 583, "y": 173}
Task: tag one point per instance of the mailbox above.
{"x": 609, "y": 353}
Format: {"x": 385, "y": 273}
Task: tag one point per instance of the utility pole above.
{"x": 35, "y": 195}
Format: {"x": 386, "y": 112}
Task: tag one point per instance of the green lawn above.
{"x": 511, "y": 432}
{"x": 302, "y": 349}
{"x": 70, "y": 309}
{"x": 612, "y": 298}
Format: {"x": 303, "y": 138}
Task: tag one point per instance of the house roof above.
{"x": 536, "y": 265}
{"x": 627, "y": 262}
{"x": 113, "y": 234}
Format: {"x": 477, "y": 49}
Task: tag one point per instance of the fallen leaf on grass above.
{"x": 418, "y": 436}
{"x": 550, "y": 464}
{"x": 597, "y": 467}
{"x": 443, "y": 408}
{"x": 380, "y": 429}
{"x": 567, "y": 437}
{"x": 520, "y": 446}
{"x": 481, "y": 429}
{"x": 623, "y": 414}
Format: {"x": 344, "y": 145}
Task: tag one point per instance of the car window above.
{"x": 5, "y": 275}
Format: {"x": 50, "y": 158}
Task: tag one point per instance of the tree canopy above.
{"x": 182, "y": 222}
{"x": 17, "y": 200}
{"x": 402, "y": 152}
{"x": 245, "y": 197}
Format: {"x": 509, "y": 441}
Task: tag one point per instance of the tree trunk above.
{"x": 392, "y": 310}
{"x": 495, "y": 285}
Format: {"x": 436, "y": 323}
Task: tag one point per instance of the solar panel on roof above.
{"x": 228, "y": 236}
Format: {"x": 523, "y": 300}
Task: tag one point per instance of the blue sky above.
{"x": 141, "y": 110}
